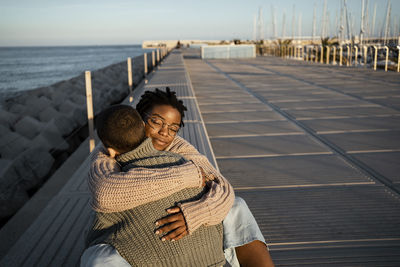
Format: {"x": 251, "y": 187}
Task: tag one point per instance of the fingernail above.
{"x": 156, "y": 223}
{"x": 157, "y": 232}
{"x": 173, "y": 240}
{"x": 163, "y": 239}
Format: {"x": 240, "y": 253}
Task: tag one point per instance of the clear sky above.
{"x": 101, "y": 22}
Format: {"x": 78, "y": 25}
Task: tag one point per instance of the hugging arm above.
{"x": 215, "y": 204}
{"x": 113, "y": 190}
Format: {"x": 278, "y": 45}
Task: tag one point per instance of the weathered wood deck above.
{"x": 313, "y": 149}
{"x": 315, "y": 152}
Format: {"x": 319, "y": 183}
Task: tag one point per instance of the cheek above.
{"x": 150, "y": 132}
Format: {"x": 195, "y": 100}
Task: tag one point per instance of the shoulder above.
{"x": 180, "y": 145}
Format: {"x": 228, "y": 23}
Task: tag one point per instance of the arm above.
{"x": 113, "y": 190}
{"x": 212, "y": 208}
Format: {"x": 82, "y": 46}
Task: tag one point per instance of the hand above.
{"x": 174, "y": 225}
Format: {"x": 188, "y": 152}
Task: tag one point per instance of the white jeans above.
{"x": 240, "y": 228}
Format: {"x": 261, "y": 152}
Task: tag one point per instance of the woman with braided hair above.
{"x": 163, "y": 113}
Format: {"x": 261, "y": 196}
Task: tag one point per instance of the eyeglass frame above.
{"x": 148, "y": 117}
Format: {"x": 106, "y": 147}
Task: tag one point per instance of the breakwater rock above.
{"x": 36, "y": 128}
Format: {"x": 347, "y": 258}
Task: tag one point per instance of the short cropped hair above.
{"x": 120, "y": 127}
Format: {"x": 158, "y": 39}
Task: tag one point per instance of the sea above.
{"x": 26, "y": 68}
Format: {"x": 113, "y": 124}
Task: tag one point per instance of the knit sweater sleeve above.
{"x": 213, "y": 207}
{"x": 114, "y": 191}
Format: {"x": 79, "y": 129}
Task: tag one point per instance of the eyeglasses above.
{"x": 158, "y": 123}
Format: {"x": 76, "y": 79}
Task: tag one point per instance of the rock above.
{"x": 48, "y": 114}
{"x": 80, "y": 117}
{"x": 58, "y": 97}
{"x": 4, "y": 130}
{"x": 17, "y": 109}
{"x": 29, "y": 169}
{"x": 34, "y": 105}
{"x": 78, "y": 99}
{"x": 64, "y": 124}
{"x": 28, "y": 127}
{"x": 4, "y": 165}
{"x": 12, "y": 196}
{"x": 12, "y": 144}
{"x": 11, "y": 200}
{"x": 50, "y": 138}
{"x": 68, "y": 106}
{"x": 8, "y": 118}
{"x": 74, "y": 112}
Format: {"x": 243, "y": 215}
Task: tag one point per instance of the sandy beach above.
{"x": 39, "y": 128}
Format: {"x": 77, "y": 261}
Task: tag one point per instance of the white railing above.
{"x": 348, "y": 55}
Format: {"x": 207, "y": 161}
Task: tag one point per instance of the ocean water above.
{"x": 25, "y": 68}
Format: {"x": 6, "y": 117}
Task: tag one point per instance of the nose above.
{"x": 163, "y": 130}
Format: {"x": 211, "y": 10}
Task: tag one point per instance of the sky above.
{"x": 105, "y": 22}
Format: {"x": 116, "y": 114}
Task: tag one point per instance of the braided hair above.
{"x": 150, "y": 99}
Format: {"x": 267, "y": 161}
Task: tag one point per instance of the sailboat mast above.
{"x": 362, "y": 23}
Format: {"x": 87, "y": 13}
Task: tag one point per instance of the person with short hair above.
{"x": 131, "y": 233}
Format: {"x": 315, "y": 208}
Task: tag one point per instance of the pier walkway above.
{"x": 313, "y": 149}
{"x": 315, "y": 152}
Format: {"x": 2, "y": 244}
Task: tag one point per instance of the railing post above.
{"x": 356, "y": 55}
{"x": 322, "y": 55}
{"x": 145, "y": 67}
{"x": 398, "y": 58}
{"x": 158, "y": 56}
{"x": 365, "y": 55}
{"x": 89, "y": 105}
{"x": 334, "y": 55}
{"x": 375, "y": 56}
{"x": 327, "y": 54}
{"x": 340, "y": 55}
{"x": 316, "y": 54}
{"x": 130, "y": 83}
{"x": 153, "y": 60}
{"x": 387, "y": 57}
{"x": 348, "y": 56}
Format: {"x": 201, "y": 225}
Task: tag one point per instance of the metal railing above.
{"x": 349, "y": 55}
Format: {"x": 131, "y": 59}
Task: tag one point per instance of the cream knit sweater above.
{"x": 114, "y": 191}
{"x": 131, "y": 232}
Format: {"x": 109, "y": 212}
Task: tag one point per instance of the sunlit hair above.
{"x": 151, "y": 99}
{"x": 120, "y": 127}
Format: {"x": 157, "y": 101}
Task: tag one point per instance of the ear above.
{"x": 113, "y": 153}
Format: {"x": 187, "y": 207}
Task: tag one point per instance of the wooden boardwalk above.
{"x": 315, "y": 152}
{"x": 313, "y": 149}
